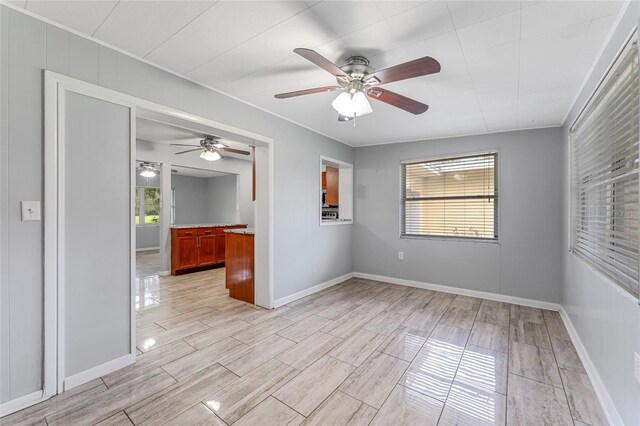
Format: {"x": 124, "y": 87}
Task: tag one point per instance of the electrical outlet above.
{"x": 636, "y": 366}
{"x": 400, "y": 255}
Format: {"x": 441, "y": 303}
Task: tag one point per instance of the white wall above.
{"x": 605, "y": 317}
{"x": 222, "y": 197}
{"x": 527, "y": 261}
{"x": 192, "y": 199}
{"x": 27, "y": 46}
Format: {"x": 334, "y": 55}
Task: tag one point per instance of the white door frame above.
{"x": 55, "y": 87}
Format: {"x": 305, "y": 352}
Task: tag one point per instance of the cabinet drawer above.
{"x": 186, "y": 232}
{"x": 206, "y": 231}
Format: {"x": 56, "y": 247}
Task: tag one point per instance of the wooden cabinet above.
{"x": 240, "y": 278}
{"x": 197, "y": 248}
{"x": 332, "y": 186}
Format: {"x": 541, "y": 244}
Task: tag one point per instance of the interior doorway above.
{"x": 69, "y": 101}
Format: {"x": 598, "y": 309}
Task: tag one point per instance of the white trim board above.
{"x": 598, "y": 385}
{"x": 463, "y": 291}
{"x": 21, "y": 403}
{"x": 147, "y": 249}
{"x": 98, "y": 371}
{"x": 316, "y": 288}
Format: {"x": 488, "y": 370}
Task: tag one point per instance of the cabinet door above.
{"x": 187, "y": 252}
{"x": 332, "y": 198}
{"x": 220, "y": 247}
{"x": 207, "y": 250}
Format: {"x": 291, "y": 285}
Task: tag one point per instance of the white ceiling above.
{"x": 157, "y": 132}
{"x": 200, "y": 173}
{"x": 505, "y": 64}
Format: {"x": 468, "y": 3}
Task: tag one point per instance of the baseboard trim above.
{"x": 598, "y": 385}
{"x": 299, "y": 295}
{"x": 147, "y": 249}
{"x": 164, "y": 273}
{"x": 462, "y": 291}
{"x": 98, "y": 371}
{"x": 21, "y": 403}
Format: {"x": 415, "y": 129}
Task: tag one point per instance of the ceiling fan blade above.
{"x": 411, "y": 69}
{"x": 321, "y": 61}
{"x": 344, "y": 118}
{"x": 189, "y": 150}
{"x": 183, "y": 144}
{"x": 307, "y": 92}
{"x": 398, "y": 101}
{"x": 235, "y": 151}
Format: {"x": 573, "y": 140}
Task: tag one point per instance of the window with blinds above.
{"x": 451, "y": 197}
{"x": 604, "y": 161}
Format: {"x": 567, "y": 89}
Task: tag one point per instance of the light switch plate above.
{"x": 400, "y": 255}
{"x": 636, "y": 366}
{"x": 30, "y": 210}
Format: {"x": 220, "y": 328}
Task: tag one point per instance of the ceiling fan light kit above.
{"x": 357, "y": 81}
{"x": 147, "y": 170}
{"x": 211, "y": 148}
{"x": 210, "y": 155}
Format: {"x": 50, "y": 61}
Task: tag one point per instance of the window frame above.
{"x": 141, "y": 206}
{"x": 452, "y": 156}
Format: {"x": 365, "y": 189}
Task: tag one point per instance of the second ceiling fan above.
{"x": 357, "y": 81}
{"x": 211, "y": 148}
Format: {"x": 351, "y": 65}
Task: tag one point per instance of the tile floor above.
{"x": 358, "y": 353}
{"x": 147, "y": 263}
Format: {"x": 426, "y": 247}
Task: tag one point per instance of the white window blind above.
{"x": 451, "y": 197}
{"x": 604, "y": 151}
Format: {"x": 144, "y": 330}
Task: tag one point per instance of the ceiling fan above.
{"x": 357, "y": 81}
{"x": 211, "y": 148}
{"x": 147, "y": 170}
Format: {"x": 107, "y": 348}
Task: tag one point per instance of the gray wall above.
{"x": 27, "y": 47}
{"x": 223, "y": 198}
{"x": 526, "y": 262}
{"x": 606, "y": 318}
{"x": 192, "y": 201}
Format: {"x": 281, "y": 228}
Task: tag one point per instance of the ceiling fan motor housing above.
{"x": 356, "y": 67}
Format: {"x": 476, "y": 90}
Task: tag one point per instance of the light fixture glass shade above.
{"x": 147, "y": 173}
{"x": 352, "y": 105}
{"x": 360, "y": 104}
{"x": 210, "y": 155}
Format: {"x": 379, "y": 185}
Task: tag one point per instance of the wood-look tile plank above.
{"x": 306, "y": 391}
{"x": 404, "y": 343}
{"x": 309, "y": 350}
{"x": 482, "y": 368}
{"x": 566, "y": 355}
{"x": 304, "y": 328}
{"x": 255, "y": 333}
{"x": 118, "y": 419}
{"x": 527, "y": 314}
{"x": 407, "y": 407}
{"x": 237, "y": 399}
{"x": 179, "y": 397}
{"x": 386, "y": 322}
{"x": 198, "y": 415}
{"x": 270, "y": 412}
{"x": 582, "y": 399}
{"x": 341, "y": 409}
{"x": 252, "y": 357}
{"x": 356, "y": 319}
{"x": 193, "y": 315}
{"x": 530, "y": 333}
{"x": 148, "y": 362}
{"x": 374, "y": 380}
{"x": 262, "y": 315}
{"x": 459, "y": 317}
{"x": 533, "y": 403}
{"x": 493, "y": 312}
{"x": 490, "y": 336}
{"x": 411, "y": 301}
{"x": 217, "y": 333}
{"x": 555, "y": 325}
{"x": 147, "y": 341}
{"x": 424, "y": 319}
{"x": 197, "y": 361}
{"x": 93, "y": 409}
{"x": 468, "y": 405}
{"x": 357, "y": 347}
{"x": 534, "y": 362}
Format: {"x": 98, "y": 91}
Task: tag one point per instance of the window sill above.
{"x": 455, "y": 239}
{"x": 336, "y": 222}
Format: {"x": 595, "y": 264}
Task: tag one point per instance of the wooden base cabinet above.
{"x": 193, "y": 248}
{"x": 240, "y": 279}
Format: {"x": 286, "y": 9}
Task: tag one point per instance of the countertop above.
{"x": 246, "y": 231}
{"x": 206, "y": 225}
